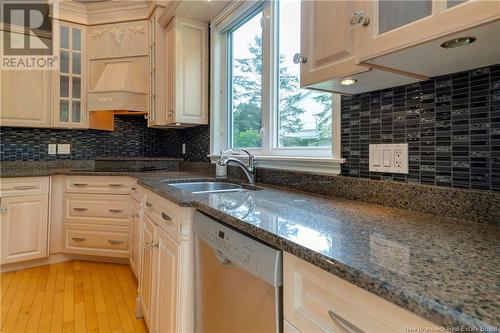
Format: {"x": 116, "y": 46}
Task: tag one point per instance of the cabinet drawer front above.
{"x": 317, "y": 301}
{"x": 97, "y": 240}
{"x": 11, "y": 187}
{"x": 118, "y": 40}
{"x": 164, "y": 213}
{"x": 104, "y": 185}
{"x": 96, "y": 209}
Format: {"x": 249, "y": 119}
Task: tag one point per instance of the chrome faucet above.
{"x": 249, "y": 169}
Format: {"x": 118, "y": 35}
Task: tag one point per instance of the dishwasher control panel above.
{"x": 234, "y": 247}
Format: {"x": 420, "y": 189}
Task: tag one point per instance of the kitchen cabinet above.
{"x": 96, "y": 216}
{"x": 324, "y": 64}
{"x": 317, "y": 301}
{"x": 166, "y": 284}
{"x": 146, "y": 281}
{"x": 26, "y": 94}
{"x": 165, "y": 271}
{"x": 24, "y": 209}
{"x": 70, "y": 78}
{"x": 186, "y": 85}
{"x": 135, "y": 231}
{"x": 157, "y": 70}
{"x": 127, "y": 39}
{"x": 395, "y": 25}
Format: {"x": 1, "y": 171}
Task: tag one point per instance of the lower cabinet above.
{"x": 24, "y": 222}
{"x": 317, "y": 301}
{"x": 24, "y": 208}
{"x": 166, "y": 280}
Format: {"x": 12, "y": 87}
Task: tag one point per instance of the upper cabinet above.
{"x": 328, "y": 51}
{"x": 377, "y": 44}
{"x": 25, "y": 94}
{"x": 70, "y": 78}
{"x": 126, "y": 39}
{"x": 186, "y": 89}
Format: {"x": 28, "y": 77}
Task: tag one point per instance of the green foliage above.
{"x": 247, "y": 107}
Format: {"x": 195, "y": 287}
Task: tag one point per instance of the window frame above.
{"x": 325, "y": 159}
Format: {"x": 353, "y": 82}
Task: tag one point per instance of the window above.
{"x": 257, "y": 101}
{"x": 245, "y": 84}
{"x": 304, "y": 116}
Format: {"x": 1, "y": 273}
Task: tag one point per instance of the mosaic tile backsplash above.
{"x": 451, "y": 124}
{"x": 131, "y": 138}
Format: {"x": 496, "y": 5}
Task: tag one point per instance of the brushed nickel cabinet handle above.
{"x": 115, "y": 210}
{"x": 79, "y": 184}
{"x": 114, "y": 242}
{"x": 149, "y": 204}
{"x": 359, "y": 18}
{"x": 79, "y": 209}
{"x": 133, "y": 188}
{"x": 25, "y": 187}
{"x": 166, "y": 217}
{"x": 347, "y": 326}
{"x": 154, "y": 245}
{"x": 115, "y": 185}
{"x": 298, "y": 58}
{"x": 79, "y": 239}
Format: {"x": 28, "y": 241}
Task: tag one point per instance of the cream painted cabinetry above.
{"x": 186, "y": 82}
{"x": 96, "y": 216}
{"x": 70, "y": 77}
{"x": 25, "y": 94}
{"x": 317, "y": 301}
{"x": 24, "y": 210}
{"x": 166, "y": 284}
{"x": 324, "y": 64}
{"x": 126, "y": 39}
{"x": 135, "y": 230}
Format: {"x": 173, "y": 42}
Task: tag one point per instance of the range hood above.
{"x": 121, "y": 86}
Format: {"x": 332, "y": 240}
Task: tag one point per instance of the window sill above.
{"x": 323, "y": 165}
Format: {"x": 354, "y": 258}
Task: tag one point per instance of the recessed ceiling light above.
{"x": 177, "y": 124}
{"x": 348, "y": 82}
{"x": 457, "y": 42}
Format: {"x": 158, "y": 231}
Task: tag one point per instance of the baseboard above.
{"x": 57, "y": 258}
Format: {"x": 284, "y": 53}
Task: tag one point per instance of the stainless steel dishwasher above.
{"x": 238, "y": 286}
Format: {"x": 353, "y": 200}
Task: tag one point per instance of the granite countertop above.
{"x": 445, "y": 270}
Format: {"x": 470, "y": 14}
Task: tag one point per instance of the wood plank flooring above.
{"x": 74, "y": 296}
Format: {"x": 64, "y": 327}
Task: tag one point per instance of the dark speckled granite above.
{"x": 443, "y": 269}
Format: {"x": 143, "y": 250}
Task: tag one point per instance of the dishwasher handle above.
{"x": 222, "y": 259}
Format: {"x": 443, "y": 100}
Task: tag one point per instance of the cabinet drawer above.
{"x": 317, "y": 301}
{"x": 107, "y": 241}
{"x": 96, "y": 209}
{"x": 104, "y": 185}
{"x": 11, "y": 187}
{"x": 164, "y": 213}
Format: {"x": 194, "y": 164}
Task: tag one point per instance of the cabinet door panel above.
{"x": 147, "y": 269}
{"x": 24, "y": 228}
{"x": 327, "y": 59}
{"x": 165, "y": 277}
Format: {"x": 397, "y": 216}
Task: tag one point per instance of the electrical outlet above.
{"x": 52, "y": 149}
{"x": 63, "y": 148}
{"x": 391, "y": 158}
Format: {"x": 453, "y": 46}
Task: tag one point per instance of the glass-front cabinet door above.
{"x": 69, "y": 106}
{"x": 385, "y": 26}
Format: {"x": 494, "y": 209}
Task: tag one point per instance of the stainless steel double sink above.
{"x": 207, "y": 187}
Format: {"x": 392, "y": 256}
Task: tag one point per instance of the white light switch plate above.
{"x": 52, "y": 149}
{"x": 63, "y": 148}
{"x": 391, "y": 158}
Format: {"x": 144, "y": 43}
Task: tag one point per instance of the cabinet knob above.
{"x": 358, "y": 17}
{"x": 297, "y": 59}
{"x": 3, "y": 210}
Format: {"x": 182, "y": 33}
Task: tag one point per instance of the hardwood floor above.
{"x": 75, "y": 296}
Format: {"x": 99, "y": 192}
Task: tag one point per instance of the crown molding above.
{"x": 113, "y": 11}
